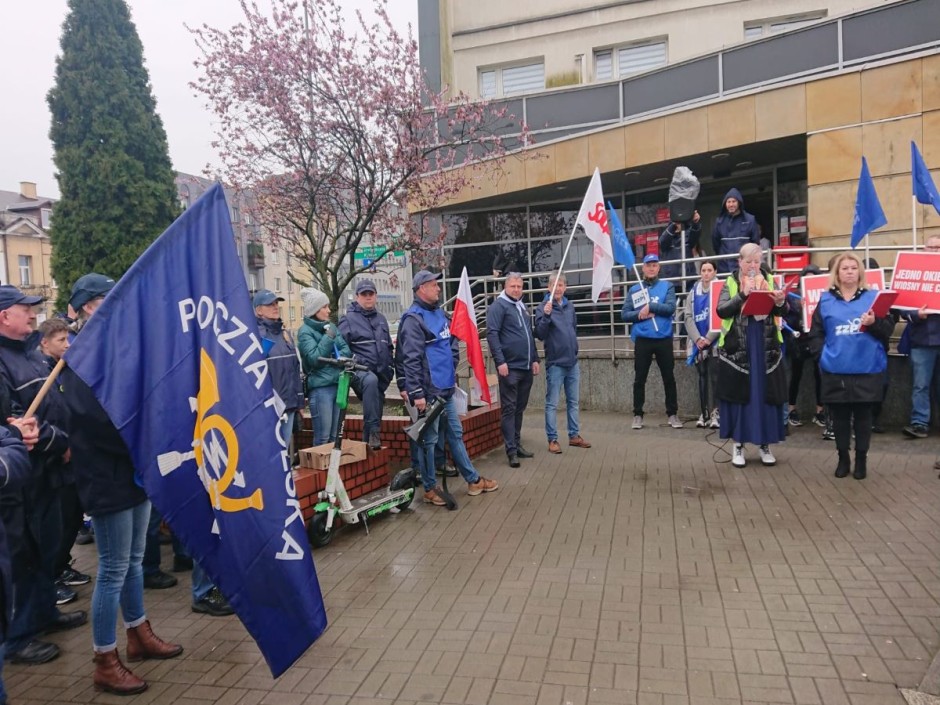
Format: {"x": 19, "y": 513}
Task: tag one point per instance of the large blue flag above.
{"x": 925, "y": 190}
{"x": 174, "y": 356}
{"x": 868, "y": 212}
{"x": 623, "y": 252}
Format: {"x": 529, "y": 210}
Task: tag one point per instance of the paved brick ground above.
{"x": 641, "y": 571}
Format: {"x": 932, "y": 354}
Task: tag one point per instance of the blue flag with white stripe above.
{"x": 174, "y": 356}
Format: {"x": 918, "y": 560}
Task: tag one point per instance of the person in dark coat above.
{"x": 33, "y": 515}
{"x": 283, "y": 362}
{"x": 752, "y": 381}
{"x": 366, "y": 331}
{"x": 850, "y": 344}
{"x": 670, "y": 249}
{"x": 734, "y": 228}
{"x": 556, "y": 324}
{"x": 112, "y": 495}
{"x": 15, "y": 469}
{"x": 799, "y": 355}
{"x": 509, "y": 335}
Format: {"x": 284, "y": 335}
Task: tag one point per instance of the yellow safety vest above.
{"x": 731, "y": 284}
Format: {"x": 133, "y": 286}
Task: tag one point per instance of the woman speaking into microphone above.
{"x": 752, "y": 384}
{"x": 849, "y": 341}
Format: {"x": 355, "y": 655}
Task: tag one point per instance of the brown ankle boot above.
{"x": 142, "y": 643}
{"x": 112, "y": 676}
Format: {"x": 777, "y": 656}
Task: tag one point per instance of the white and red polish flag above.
{"x": 593, "y": 218}
{"x": 463, "y": 326}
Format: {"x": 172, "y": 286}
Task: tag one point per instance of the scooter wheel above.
{"x": 406, "y": 504}
{"x": 317, "y": 532}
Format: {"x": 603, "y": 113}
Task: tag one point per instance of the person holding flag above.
{"x": 556, "y": 324}
{"x": 426, "y": 368}
{"x": 119, "y": 511}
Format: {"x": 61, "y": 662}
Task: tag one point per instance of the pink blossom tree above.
{"x": 335, "y": 135}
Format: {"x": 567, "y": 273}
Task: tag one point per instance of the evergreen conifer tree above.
{"x": 113, "y": 166}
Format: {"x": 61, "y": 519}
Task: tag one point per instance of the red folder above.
{"x": 883, "y": 302}
{"x": 758, "y": 303}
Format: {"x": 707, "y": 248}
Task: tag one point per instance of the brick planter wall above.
{"x": 481, "y": 434}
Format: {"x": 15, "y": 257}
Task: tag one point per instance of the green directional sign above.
{"x": 374, "y": 253}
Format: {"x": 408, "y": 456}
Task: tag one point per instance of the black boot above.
{"x": 842, "y": 469}
{"x": 861, "y": 465}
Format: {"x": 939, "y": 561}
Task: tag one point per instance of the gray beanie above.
{"x": 313, "y": 300}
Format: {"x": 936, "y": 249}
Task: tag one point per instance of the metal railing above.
{"x": 601, "y": 330}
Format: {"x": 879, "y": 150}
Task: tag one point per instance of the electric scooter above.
{"x": 334, "y": 501}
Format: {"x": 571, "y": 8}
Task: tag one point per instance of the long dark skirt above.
{"x": 755, "y": 422}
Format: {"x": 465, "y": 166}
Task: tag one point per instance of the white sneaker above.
{"x": 715, "y": 420}
{"x": 701, "y": 421}
{"x": 675, "y": 422}
{"x": 766, "y": 457}
{"x": 637, "y": 422}
{"x": 737, "y": 455}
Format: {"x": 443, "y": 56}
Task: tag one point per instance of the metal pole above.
{"x": 914, "y": 220}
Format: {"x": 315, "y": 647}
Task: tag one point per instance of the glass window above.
{"x": 753, "y": 32}
{"x": 603, "y": 65}
{"x": 45, "y": 216}
{"x": 624, "y": 61}
{"x": 26, "y": 267}
{"x": 277, "y": 283}
{"x": 488, "y": 87}
{"x": 759, "y": 28}
{"x": 512, "y": 80}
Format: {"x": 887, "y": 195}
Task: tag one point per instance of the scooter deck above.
{"x": 376, "y": 499}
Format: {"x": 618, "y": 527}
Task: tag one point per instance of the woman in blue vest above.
{"x": 701, "y": 343}
{"x": 319, "y": 337}
{"x": 850, "y": 342}
{"x": 752, "y": 381}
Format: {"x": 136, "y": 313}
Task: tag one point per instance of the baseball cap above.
{"x": 265, "y": 297}
{"x": 650, "y": 258}
{"x": 365, "y": 285}
{"x": 89, "y": 287}
{"x": 10, "y": 296}
{"x": 423, "y": 277}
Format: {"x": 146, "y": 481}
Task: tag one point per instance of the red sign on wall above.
{"x": 662, "y": 215}
{"x": 917, "y": 280}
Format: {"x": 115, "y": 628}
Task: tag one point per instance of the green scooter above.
{"x": 334, "y": 500}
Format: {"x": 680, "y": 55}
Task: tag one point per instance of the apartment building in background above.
{"x": 25, "y": 248}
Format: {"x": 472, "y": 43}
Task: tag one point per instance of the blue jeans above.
{"x": 120, "y": 538}
{"x": 570, "y": 377}
{"x": 453, "y": 432}
{"x": 369, "y": 389}
{"x": 3, "y": 690}
{"x": 202, "y": 583}
{"x": 324, "y": 414}
{"x": 926, "y": 377}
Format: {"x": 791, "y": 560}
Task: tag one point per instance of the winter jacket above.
{"x": 509, "y": 334}
{"x": 730, "y": 234}
{"x": 662, "y": 298}
{"x": 104, "y": 471}
{"x": 670, "y": 248}
{"x": 283, "y": 364}
{"x": 559, "y": 332}
{"x": 924, "y": 332}
{"x": 313, "y": 342}
{"x": 426, "y": 354}
{"x": 734, "y": 367}
{"x": 691, "y": 319}
{"x": 852, "y": 361}
{"x": 366, "y": 332}
{"x": 15, "y": 470}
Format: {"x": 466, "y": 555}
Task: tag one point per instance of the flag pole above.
{"x": 561, "y": 266}
{"x": 914, "y": 219}
{"x": 44, "y": 389}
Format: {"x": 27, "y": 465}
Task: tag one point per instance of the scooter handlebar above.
{"x": 347, "y": 363}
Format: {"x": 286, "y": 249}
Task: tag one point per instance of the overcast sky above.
{"x": 31, "y": 33}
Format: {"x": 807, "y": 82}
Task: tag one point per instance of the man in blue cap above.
{"x": 283, "y": 363}
{"x": 649, "y": 308}
{"x": 32, "y": 515}
{"x": 366, "y": 331}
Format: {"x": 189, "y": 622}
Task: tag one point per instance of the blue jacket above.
{"x": 559, "y": 332}
{"x": 732, "y": 233}
{"x": 366, "y": 333}
{"x": 104, "y": 471}
{"x": 670, "y": 248}
{"x": 14, "y": 472}
{"x": 924, "y": 333}
{"x": 413, "y": 360}
{"x": 509, "y": 335}
{"x": 662, "y": 305}
{"x": 283, "y": 364}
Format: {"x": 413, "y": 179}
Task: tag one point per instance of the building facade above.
{"x": 25, "y": 218}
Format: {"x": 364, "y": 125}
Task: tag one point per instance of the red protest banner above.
{"x": 813, "y": 286}
{"x": 917, "y": 280}
{"x": 714, "y": 292}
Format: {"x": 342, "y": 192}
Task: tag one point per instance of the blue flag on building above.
{"x": 868, "y": 212}
{"x": 623, "y": 252}
{"x": 925, "y": 190}
{"x": 175, "y": 358}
